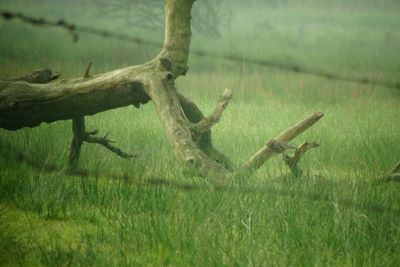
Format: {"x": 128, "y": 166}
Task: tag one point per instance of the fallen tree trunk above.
{"x": 23, "y": 104}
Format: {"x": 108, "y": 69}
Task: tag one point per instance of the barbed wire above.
{"x": 74, "y": 29}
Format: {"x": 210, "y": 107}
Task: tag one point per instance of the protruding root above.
{"x": 292, "y": 161}
{"x": 392, "y": 176}
{"x": 279, "y": 144}
{"x": 206, "y": 123}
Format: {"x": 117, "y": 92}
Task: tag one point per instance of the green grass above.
{"x": 149, "y": 211}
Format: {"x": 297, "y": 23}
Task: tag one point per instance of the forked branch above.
{"x": 266, "y": 152}
{"x": 80, "y": 136}
{"x": 292, "y": 161}
{"x": 104, "y": 141}
{"x": 206, "y": 123}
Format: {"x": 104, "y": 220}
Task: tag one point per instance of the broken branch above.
{"x": 266, "y": 152}
{"x": 104, "y": 141}
{"x": 206, "y": 123}
{"x": 80, "y": 135}
{"x": 204, "y": 140}
{"x": 292, "y": 161}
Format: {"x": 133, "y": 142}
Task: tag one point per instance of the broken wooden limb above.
{"x": 391, "y": 176}
{"x": 206, "y": 123}
{"x": 104, "y": 141}
{"x": 25, "y": 104}
{"x": 162, "y": 92}
{"x": 80, "y": 135}
{"x": 292, "y": 161}
{"x": 204, "y": 140}
{"x": 266, "y": 152}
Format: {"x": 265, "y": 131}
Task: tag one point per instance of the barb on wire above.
{"x": 75, "y": 29}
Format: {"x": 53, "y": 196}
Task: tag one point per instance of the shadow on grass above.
{"x": 20, "y": 157}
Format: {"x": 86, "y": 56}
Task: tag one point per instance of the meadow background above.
{"x": 148, "y": 211}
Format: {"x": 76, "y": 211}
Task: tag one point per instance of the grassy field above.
{"x": 148, "y": 211}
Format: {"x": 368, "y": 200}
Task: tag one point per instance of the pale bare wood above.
{"x": 206, "y": 123}
{"x": 177, "y": 34}
{"x": 267, "y": 152}
{"x": 23, "y": 104}
{"x": 177, "y": 128}
{"x": 204, "y": 140}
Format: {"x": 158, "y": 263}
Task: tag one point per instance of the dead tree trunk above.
{"x": 24, "y": 104}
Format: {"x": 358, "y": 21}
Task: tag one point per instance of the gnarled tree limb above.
{"x": 24, "y": 104}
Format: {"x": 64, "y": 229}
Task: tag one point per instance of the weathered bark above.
{"x": 177, "y": 34}
{"x": 163, "y": 94}
{"x": 24, "y": 104}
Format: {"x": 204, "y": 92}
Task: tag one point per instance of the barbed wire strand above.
{"x": 74, "y": 29}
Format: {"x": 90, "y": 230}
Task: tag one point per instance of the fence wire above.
{"x": 75, "y": 29}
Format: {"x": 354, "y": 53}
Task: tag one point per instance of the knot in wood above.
{"x": 169, "y": 76}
